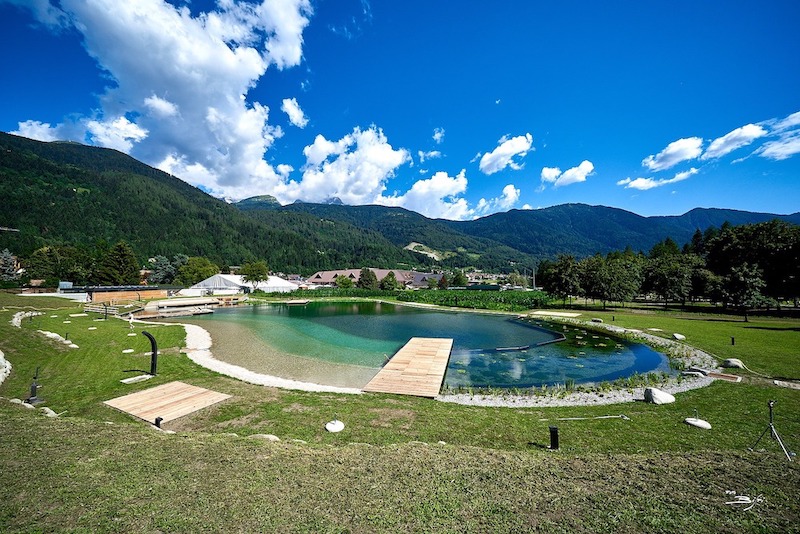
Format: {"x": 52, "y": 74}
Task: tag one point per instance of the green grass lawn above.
{"x": 386, "y": 471}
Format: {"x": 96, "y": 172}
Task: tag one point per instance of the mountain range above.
{"x": 70, "y": 194}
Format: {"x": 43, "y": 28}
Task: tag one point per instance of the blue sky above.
{"x": 451, "y": 109}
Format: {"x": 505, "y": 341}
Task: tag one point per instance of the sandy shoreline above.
{"x": 199, "y": 343}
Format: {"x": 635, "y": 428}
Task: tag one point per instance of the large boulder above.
{"x": 656, "y": 396}
{"x": 733, "y": 363}
{"x": 679, "y": 337}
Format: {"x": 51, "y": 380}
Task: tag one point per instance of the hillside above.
{"x": 70, "y": 194}
{"x": 582, "y": 230}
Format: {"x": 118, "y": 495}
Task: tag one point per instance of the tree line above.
{"x": 741, "y": 267}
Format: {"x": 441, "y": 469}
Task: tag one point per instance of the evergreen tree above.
{"x": 8, "y": 266}
{"x": 461, "y": 280}
{"x": 367, "y": 279}
{"x": 389, "y": 282}
{"x": 118, "y": 267}
{"x": 162, "y": 271}
{"x": 443, "y": 282}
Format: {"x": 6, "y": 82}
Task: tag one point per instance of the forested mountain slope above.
{"x": 69, "y": 194}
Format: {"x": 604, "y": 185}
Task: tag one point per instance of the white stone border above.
{"x": 198, "y": 349}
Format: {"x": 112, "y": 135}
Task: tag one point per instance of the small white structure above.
{"x": 231, "y": 284}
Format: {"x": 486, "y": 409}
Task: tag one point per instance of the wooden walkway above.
{"x": 168, "y": 401}
{"x": 417, "y": 369}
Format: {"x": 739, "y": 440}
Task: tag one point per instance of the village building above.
{"x": 408, "y": 279}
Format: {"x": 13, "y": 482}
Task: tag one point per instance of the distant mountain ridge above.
{"x": 71, "y": 194}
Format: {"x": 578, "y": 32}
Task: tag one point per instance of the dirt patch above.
{"x": 298, "y": 408}
{"x": 389, "y": 417}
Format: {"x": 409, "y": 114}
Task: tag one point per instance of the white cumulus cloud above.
{"x": 733, "y": 140}
{"x": 435, "y": 197}
{"x": 163, "y": 62}
{"x": 355, "y": 168}
{"x": 643, "y": 184}
{"x": 574, "y": 175}
{"x": 295, "y": 113}
{"x": 41, "y": 131}
{"x": 119, "y": 134}
{"x": 505, "y": 153}
{"x": 433, "y": 154}
{"x": 160, "y": 107}
{"x": 550, "y": 174}
{"x": 438, "y": 135}
{"x": 675, "y": 152}
{"x": 506, "y": 201}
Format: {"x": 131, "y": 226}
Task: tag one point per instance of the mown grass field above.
{"x": 387, "y": 471}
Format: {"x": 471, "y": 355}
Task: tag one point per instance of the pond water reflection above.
{"x": 345, "y": 343}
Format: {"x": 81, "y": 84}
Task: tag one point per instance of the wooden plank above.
{"x": 168, "y": 401}
{"x": 417, "y": 369}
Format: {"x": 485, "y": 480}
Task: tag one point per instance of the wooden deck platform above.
{"x": 168, "y": 401}
{"x": 416, "y": 369}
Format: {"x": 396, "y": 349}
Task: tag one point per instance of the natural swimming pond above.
{"x": 345, "y": 343}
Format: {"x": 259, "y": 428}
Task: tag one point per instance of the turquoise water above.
{"x": 365, "y": 334}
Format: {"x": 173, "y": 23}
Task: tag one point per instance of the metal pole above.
{"x": 154, "y": 349}
{"x": 553, "y": 438}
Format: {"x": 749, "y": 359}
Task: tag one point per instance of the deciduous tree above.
{"x": 255, "y": 273}
{"x": 197, "y": 268}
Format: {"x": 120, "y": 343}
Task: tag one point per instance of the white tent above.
{"x": 231, "y": 284}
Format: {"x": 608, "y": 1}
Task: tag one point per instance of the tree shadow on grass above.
{"x": 776, "y": 328}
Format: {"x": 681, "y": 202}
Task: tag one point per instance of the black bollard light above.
{"x": 158, "y": 421}
{"x": 733, "y": 340}
{"x": 154, "y": 353}
{"x": 34, "y": 397}
{"x": 553, "y": 438}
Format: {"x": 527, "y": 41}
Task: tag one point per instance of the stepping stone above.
{"x": 127, "y": 351}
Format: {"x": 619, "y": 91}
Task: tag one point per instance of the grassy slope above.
{"x": 651, "y": 473}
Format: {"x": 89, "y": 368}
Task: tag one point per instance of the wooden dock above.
{"x": 168, "y": 401}
{"x": 416, "y": 369}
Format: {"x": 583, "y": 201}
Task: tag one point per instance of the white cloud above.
{"x": 354, "y": 168}
{"x": 202, "y": 67}
{"x": 41, "y": 131}
{"x": 296, "y": 115}
{"x": 676, "y": 152}
{"x": 438, "y": 135}
{"x": 160, "y": 107}
{"x": 436, "y": 197}
{"x": 119, "y": 134}
{"x": 527, "y": 207}
{"x": 733, "y": 140}
{"x": 550, "y": 174}
{"x": 785, "y": 124}
{"x": 433, "y": 154}
{"x": 553, "y": 175}
{"x": 503, "y": 156}
{"x": 643, "y": 184}
{"x": 783, "y": 148}
{"x": 504, "y": 202}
